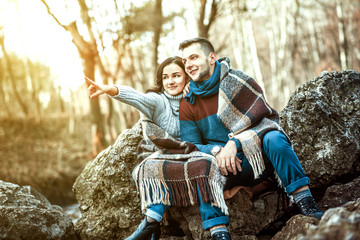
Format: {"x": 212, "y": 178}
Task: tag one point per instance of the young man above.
{"x": 225, "y": 114}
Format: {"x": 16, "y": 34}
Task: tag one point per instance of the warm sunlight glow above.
{"x": 31, "y": 33}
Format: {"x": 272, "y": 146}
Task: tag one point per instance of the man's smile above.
{"x": 193, "y": 72}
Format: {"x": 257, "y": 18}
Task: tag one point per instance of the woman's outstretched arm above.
{"x": 145, "y": 103}
{"x": 96, "y": 89}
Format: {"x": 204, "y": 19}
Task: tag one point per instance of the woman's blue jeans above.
{"x": 210, "y": 215}
{"x": 278, "y": 154}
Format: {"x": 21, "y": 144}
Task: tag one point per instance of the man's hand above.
{"x": 96, "y": 89}
{"x": 227, "y": 160}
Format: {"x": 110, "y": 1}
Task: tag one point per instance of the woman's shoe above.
{"x": 156, "y": 235}
{"x": 221, "y": 236}
{"x": 146, "y": 230}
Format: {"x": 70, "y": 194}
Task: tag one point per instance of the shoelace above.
{"x": 221, "y": 236}
{"x": 308, "y": 206}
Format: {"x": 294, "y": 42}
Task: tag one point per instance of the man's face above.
{"x": 197, "y": 64}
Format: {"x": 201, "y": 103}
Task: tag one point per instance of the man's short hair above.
{"x": 205, "y": 44}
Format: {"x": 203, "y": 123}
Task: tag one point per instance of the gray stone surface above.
{"x": 26, "y": 214}
{"x": 338, "y": 223}
{"x": 296, "y": 227}
{"x": 341, "y": 223}
{"x": 339, "y": 194}
{"x": 247, "y": 217}
{"x": 323, "y": 120}
{"x": 107, "y": 194}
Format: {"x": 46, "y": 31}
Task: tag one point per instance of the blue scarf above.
{"x": 205, "y": 88}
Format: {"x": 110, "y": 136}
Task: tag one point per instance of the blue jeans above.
{"x": 211, "y": 216}
{"x": 278, "y": 154}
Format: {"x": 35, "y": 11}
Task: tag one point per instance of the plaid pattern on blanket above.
{"x": 244, "y": 111}
{"x": 170, "y": 171}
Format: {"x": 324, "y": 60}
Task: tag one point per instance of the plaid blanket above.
{"x": 170, "y": 172}
{"x": 244, "y": 111}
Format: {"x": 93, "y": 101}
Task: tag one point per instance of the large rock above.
{"x": 323, "y": 120}
{"x": 296, "y": 227}
{"x": 340, "y": 194}
{"x": 26, "y": 214}
{"x": 247, "y": 217}
{"x": 337, "y": 223}
{"x": 341, "y": 223}
{"x": 107, "y": 194}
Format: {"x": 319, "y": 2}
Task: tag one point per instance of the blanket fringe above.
{"x": 153, "y": 191}
{"x": 257, "y": 163}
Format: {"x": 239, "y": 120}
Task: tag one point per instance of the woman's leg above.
{"x": 211, "y": 216}
{"x": 150, "y": 226}
{"x": 156, "y": 211}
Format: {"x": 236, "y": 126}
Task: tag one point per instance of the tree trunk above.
{"x": 158, "y": 22}
{"x": 30, "y": 71}
{"x": 98, "y": 143}
{"x": 341, "y": 32}
{"x": 203, "y": 28}
{"x": 88, "y": 52}
{"x": 22, "y": 104}
{"x": 235, "y": 34}
{"x": 2, "y": 92}
{"x": 254, "y": 55}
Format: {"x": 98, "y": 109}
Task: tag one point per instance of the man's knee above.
{"x": 275, "y": 141}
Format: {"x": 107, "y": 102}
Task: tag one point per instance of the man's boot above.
{"x": 308, "y": 207}
{"x": 146, "y": 230}
{"x": 223, "y": 235}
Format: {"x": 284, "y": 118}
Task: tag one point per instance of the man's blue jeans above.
{"x": 278, "y": 154}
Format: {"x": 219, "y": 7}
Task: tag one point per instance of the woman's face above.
{"x": 173, "y": 79}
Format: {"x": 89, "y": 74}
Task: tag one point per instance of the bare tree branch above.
{"x": 52, "y": 15}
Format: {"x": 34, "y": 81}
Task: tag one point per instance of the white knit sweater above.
{"x": 162, "y": 108}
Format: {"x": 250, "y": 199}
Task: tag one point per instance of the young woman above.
{"x": 160, "y": 104}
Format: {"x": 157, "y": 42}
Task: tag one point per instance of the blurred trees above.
{"x": 107, "y": 46}
{"x": 286, "y": 43}
{"x": 282, "y": 44}
{"x": 25, "y": 85}
{"x": 207, "y": 18}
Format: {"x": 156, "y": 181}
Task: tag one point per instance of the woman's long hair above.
{"x": 158, "y": 88}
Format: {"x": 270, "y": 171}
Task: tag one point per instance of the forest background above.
{"x": 49, "y": 128}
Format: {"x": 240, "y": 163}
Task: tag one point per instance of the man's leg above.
{"x": 278, "y": 150}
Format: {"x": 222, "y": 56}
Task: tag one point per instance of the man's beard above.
{"x": 204, "y": 75}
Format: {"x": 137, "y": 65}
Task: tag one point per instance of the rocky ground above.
{"x": 44, "y": 155}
